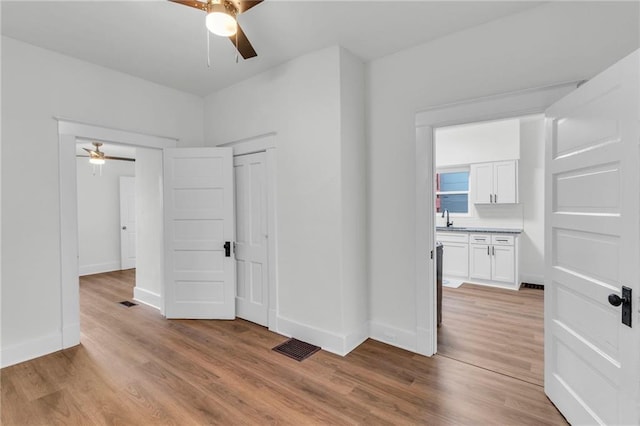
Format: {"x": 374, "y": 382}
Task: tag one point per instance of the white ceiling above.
{"x": 165, "y": 42}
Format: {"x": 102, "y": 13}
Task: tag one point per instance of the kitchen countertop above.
{"x": 479, "y": 230}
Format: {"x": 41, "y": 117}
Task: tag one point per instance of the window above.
{"x": 452, "y": 191}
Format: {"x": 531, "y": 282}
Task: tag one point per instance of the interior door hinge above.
{"x": 431, "y": 254}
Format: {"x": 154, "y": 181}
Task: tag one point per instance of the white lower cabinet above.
{"x": 480, "y": 261}
{"x": 503, "y": 264}
{"x": 455, "y": 261}
{"x": 491, "y": 258}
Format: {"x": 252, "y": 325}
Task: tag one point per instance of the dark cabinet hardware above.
{"x": 227, "y": 249}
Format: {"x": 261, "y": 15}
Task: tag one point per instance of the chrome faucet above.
{"x": 449, "y": 223}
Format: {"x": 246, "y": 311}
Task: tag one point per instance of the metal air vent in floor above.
{"x": 296, "y": 349}
{"x": 534, "y": 286}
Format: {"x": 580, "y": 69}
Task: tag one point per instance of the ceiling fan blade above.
{"x": 244, "y": 46}
{"x": 108, "y": 157}
{"x": 192, "y": 3}
{"x": 246, "y": 5}
{"x": 88, "y": 150}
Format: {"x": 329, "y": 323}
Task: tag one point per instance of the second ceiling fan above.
{"x": 222, "y": 20}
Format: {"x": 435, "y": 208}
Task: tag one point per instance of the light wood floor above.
{"x": 136, "y": 368}
{"x": 500, "y": 330}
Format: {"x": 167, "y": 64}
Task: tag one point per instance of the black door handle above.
{"x": 616, "y": 300}
{"x": 625, "y": 301}
{"x": 227, "y": 249}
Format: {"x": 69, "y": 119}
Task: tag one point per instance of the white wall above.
{"x": 301, "y": 101}
{"x": 99, "y": 215}
{"x": 555, "y": 42}
{"x": 355, "y": 290}
{"x": 150, "y": 232}
{"x": 531, "y": 191}
{"x": 477, "y": 143}
{"x": 37, "y": 85}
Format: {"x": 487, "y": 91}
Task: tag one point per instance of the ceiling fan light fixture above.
{"x": 96, "y": 160}
{"x": 220, "y": 21}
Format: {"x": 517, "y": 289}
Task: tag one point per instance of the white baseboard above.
{"x": 71, "y": 335}
{"x": 273, "y": 321}
{"x": 147, "y": 297}
{"x": 356, "y": 338}
{"x": 98, "y": 268}
{"x": 338, "y": 344}
{"x": 34, "y": 348}
{"x": 404, "y": 339}
{"x": 424, "y": 341}
{"x": 532, "y": 279}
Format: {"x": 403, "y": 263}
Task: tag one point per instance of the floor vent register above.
{"x": 296, "y": 349}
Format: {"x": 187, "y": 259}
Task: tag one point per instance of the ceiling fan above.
{"x": 97, "y": 157}
{"x": 222, "y": 20}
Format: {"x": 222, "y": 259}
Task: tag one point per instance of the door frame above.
{"x": 502, "y": 106}
{"x": 68, "y": 133}
{"x": 266, "y": 143}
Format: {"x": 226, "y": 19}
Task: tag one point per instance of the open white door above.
{"x": 252, "y": 299}
{"x": 592, "y": 249}
{"x": 127, "y": 222}
{"x": 199, "y": 233}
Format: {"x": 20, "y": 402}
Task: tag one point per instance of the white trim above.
{"x": 425, "y": 252}
{"x": 266, "y": 143}
{"x": 98, "y": 268}
{"x": 252, "y": 145}
{"x": 532, "y": 279}
{"x": 339, "y": 344}
{"x": 514, "y": 104}
{"x": 34, "y": 348}
{"x": 405, "y": 339}
{"x": 106, "y": 134}
{"x": 147, "y": 297}
{"x": 68, "y": 133}
{"x": 69, "y": 333}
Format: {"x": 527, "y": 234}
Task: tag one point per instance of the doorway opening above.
{"x": 107, "y": 232}
{"x": 489, "y": 216}
{"x": 106, "y": 208}
{"x": 497, "y": 107}
{"x": 70, "y": 133}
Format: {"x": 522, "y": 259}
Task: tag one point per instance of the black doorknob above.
{"x": 615, "y": 300}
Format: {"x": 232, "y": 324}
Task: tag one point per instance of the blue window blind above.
{"x": 455, "y": 203}
{"x": 458, "y": 181}
{"x": 453, "y": 192}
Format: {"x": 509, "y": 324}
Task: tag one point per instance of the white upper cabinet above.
{"x": 494, "y": 183}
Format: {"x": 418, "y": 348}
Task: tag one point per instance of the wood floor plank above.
{"x": 497, "y": 329}
{"x": 135, "y": 367}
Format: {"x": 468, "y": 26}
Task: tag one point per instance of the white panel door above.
{"x": 198, "y": 223}
{"x": 592, "y": 249}
{"x": 482, "y": 183}
{"x": 127, "y": 222}
{"x": 252, "y": 294}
